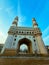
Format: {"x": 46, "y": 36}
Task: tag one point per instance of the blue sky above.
{"x": 26, "y": 10}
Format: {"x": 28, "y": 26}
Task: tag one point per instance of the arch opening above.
{"x": 24, "y": 46}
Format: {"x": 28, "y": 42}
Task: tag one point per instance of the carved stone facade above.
{"x": 32, "y": 38}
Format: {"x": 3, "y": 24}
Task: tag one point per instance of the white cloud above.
{"x": 2, "y": 37}
{"x": 9, "y": 9}
{"x": 46, "y": 40}
{"x": 46, "y": 32}
{"x": 21, "y": 20}
{"x": 46, "y": 36}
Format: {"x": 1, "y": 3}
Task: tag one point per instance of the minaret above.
{"x": 14, "y": 25}
{"x": 38, "y": 37}
{"x": 10, "y": 44}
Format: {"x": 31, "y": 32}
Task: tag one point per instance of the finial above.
{"x": 35, "y": 25}
{"x": 16, "y": 18}
{"x": 15, "y": 22}
{"x": 33, "y": 19}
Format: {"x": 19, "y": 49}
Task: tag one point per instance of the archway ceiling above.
{"x": 24, "y": 41}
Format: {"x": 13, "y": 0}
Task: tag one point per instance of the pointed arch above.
{"x": 27, "y": 42}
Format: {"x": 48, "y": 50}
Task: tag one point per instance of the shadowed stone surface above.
{"x": 8, "y": 60}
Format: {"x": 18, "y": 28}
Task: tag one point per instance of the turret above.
{"x": 15, "y": 22}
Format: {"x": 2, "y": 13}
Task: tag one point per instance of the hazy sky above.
{"x": 26, "y": 10}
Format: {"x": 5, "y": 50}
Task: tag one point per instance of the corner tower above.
{"x": 38, "y": 37}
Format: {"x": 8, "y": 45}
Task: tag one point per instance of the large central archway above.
{"x": 26, "y": 42}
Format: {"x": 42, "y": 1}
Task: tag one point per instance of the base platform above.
{"x": 24, "y": 60}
